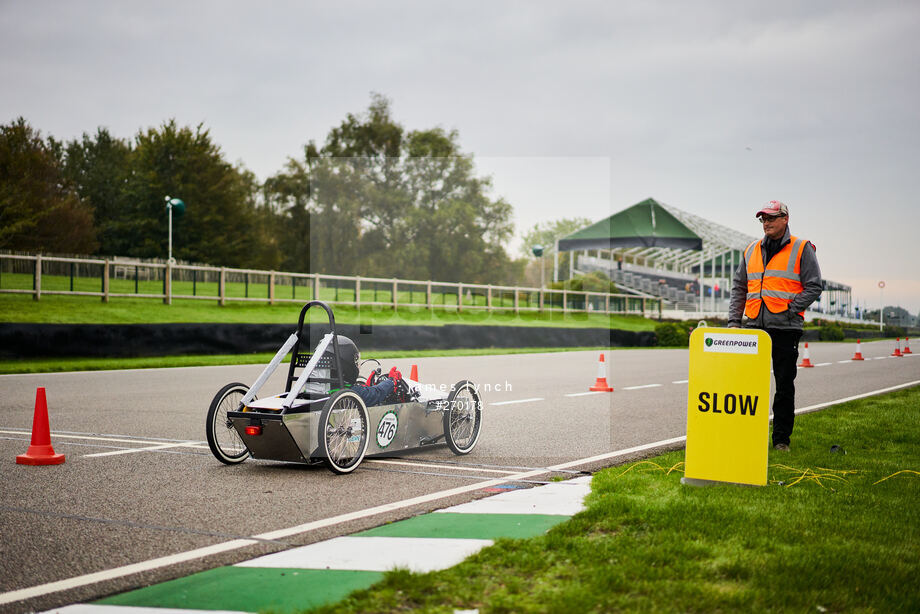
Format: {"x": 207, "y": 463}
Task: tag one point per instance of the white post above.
{"x": 712, "y": 286}
{"x": 556, "y": 262}
{"x": 105, "y": 282}
{"x": 881, "y": 308}
{"x": 37, "y": 278}
{"x": 167, "y": 283}
{"x": 731, "y": 272}
{"x": 542, "y": 272}
{"x": 170, "y": 230}
{"x": 700, "y": 281}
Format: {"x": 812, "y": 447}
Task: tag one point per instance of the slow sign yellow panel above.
{"x": 728, "y": 405}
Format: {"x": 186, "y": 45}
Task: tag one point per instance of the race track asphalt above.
{"x": 159, "y": 492}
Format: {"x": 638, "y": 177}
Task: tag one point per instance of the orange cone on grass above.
{"x": 40, "y": 451}
{"x": 897, "y": 348}
{"x": 858, "y": 355}
{"x": 413, "y": 373}
{"x": 601, "y": 384}
{"x": 806, "y": 362}
{"x": 906, "y": 346}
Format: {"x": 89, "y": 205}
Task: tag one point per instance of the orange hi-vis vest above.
{"x": 779, "y": 283}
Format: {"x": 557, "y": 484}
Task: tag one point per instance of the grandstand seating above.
{"x": 673, "y": 290}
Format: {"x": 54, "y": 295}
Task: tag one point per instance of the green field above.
{"x": 60, "y": 309}
{"x": 832, "y": 532}
{"x": 256, "y": 287}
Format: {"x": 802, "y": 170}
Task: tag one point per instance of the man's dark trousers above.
{"x": 785, "y": 357}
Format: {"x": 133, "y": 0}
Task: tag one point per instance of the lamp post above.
{"x": 538, "y": 252}
{"x": 179, "y": 206}
{"x": 881, "y": 306}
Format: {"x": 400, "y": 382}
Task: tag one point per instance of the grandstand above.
{"x": 654, "y": 249}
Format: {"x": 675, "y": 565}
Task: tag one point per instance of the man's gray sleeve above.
{"x": 810, "y": 274}
{"x": 738, "y": 295}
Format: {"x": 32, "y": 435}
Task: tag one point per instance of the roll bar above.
{"x": 335, "y": 340}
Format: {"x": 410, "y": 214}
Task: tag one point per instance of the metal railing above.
{"x": 119, "y": 278}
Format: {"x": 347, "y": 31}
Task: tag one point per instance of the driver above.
{"x": 374, "y": 394}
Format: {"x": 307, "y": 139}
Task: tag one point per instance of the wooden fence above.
{"x": 113, "y": 278}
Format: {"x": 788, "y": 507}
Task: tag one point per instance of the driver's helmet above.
{"x": 349, "y": 356}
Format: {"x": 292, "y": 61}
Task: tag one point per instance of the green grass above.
{"x": 55, "y": 365}
{"x": 256, "y": 286}
{"x": 59, "y": 309}
{"x": 831, "y": 532}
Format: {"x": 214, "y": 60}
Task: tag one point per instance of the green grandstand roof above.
{"x": 645, "y": 224}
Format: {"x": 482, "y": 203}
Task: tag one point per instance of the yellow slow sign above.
{"x": 728, "y": 405}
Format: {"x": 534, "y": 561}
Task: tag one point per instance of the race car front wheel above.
{"x": 224, "y": 441}
{"x": 343, "y": 431}
{"x": 463, "y": 418}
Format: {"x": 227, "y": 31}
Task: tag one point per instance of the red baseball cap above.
{"x": 774, "y": 208}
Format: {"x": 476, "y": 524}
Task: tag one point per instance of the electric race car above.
{"x": 322, "y": 417}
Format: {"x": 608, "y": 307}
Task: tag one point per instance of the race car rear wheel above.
{"x": 463, "y": 418}
{"x": 343, "y": 431}
{"x": 224, "y": 441}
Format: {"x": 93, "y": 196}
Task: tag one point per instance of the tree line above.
{"x": 374, "y": 199}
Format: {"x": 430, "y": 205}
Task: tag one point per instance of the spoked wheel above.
{"x": 224, "y": 441}
{"x": 343, "y": 431}
{"x": 463, "y": 418}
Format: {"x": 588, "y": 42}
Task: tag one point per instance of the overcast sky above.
{"x": 574, "y": 108}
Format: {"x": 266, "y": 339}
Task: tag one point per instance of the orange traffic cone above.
{"x": 858, "y": 355}
{"x": 413, "y": 373}
{"x": 897, "y": 348}
{"x": 806, "y": 362}
{"x": 906, "y": 346}
{"x": 40, "y": 451}
{"x": 601, "y": 384}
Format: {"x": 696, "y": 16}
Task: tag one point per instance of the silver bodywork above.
{"x": 293, "y": 436}
{"x": 319, "y": 418}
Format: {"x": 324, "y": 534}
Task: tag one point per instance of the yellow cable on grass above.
{"x": 655, "y": 467}
{"x": 812, "y": 476}
{"x": 897, "y": 473}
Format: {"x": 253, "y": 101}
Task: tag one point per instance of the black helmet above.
{"x": 349, "y": 357}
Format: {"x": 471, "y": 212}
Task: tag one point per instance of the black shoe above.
{"x": 782, "y": 447}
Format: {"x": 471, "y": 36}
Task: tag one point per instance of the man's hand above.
{"x": 734, "y": 325}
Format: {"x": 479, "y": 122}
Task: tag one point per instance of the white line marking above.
{"x": 556, "y": 499}
{"x": 518, "y": 401}
{"x": 811, "y": 408}
{"x": 119, "y": 572}
{"x": 432, "y": 465}
{"x": 843, "y": 362}
{"x": 880, "y": 358}
{"x": 105, "y": 439}
{"x": 236, "y": 544}
{"x": 823, "y": 364}
{"x": 645, "y": 386}
{"x": 377, "y": 553}
{"x": 162, "y": 446}
{"x": 681, "y": 381}
{"x": 584, "y": 394}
